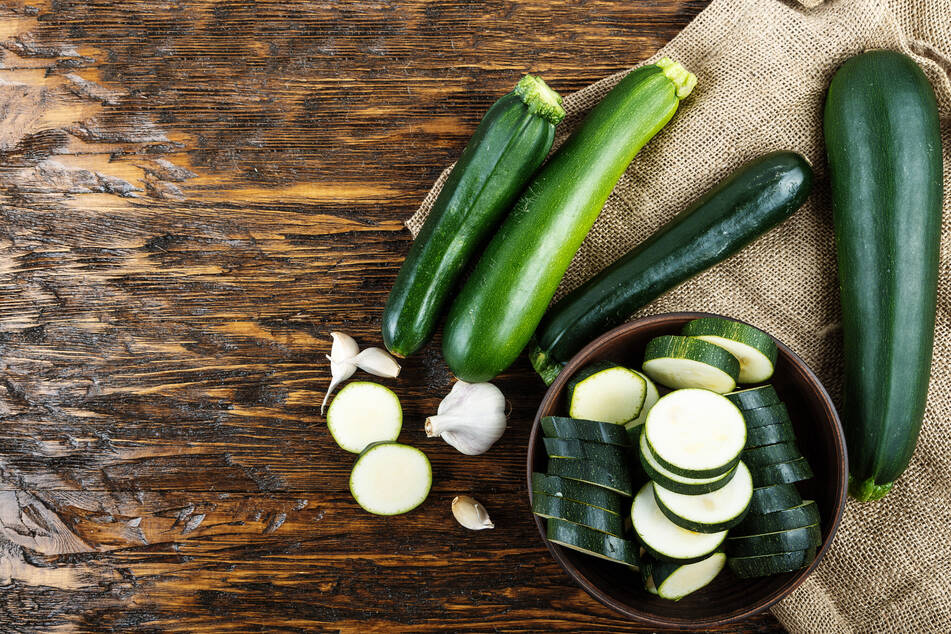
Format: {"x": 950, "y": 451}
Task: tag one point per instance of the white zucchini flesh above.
{"x": 693, "y": 430}
{"x": 755, "y": 367}
{"x": 614, "y": 395}
{"x": 680, "y": 373}
{"x": 720, "y": 507}
{"x": 689, "y": 578}
{"x": 390, "y": 478}
{"x": 676, "y": 477}
{"x": 650, "y": 399}
{"x": 363, "y": 413}
{"x": 665, "y": 539}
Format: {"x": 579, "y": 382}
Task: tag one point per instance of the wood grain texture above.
{"x": 192, "y": 196}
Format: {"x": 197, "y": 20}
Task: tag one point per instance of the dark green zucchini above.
{"x": 580, "y": 429}
{"x": 592, "y": 542}
{"x": 771, "y": 454}
{"x": 805, "y": 514}
{"x": 577, "y": 513}
{"x": 756, "y": 197}
{"x": 883, "y": 141}
{"x": 774, "y": 543}
{"x": 769, "y": 415}
{"x": 767, "y": 565}
{"x": 600, "y": 453}
{"x": 754, "y": 397}
{"x": 605, "y": 476}
{"x": 501, "y": 303}
{"x": 510, "y": 143}
{"x": 781, "y": 473}
{"x": 579, "y": 492}
{"x": 769, "y": 435}
{"x": 772, "y": 498}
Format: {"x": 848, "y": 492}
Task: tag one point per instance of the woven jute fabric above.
{"x": 763, "y": 68}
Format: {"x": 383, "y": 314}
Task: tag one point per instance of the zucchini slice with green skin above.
{"x": 592, "y": 542}
{"x": 772, "y": 498}
{"x": 577, "y": 513}
{"x": 769, "y": 435}
{"x": 606, "y": 455}
{"x": 363, "y": 413}
{"x": 805, "y": 514}
{"x": 606, "y": 392}
{"x": 883, "y": 139}
{"x": 674, "y": 482}
{"x": 782, "y": 473}
{"x": 767, "y": 565}
{"x": 675, "y": 581}
{"x": 608, "y": 477}
{"x": 590, "y": 430}
{"x": 754, "y": 349}
{"x": 695, "y": 433}
{"x": 493, "y": 317}
{"x": 754, "y": 397}
{"x": 769, "y": 415}
{"x": 773, "y": 543}
{"x": 711, "y": 512}
{"x": 389, "y": 478}
{"x": 665, "y": 540}
{"x": 753, "y": 199}
{"x": 579, "y": 492}
{"x": 684, "y": 362}
{"x": 771, "y": 454}
{"x": 507, "y": 147}
{"x": 650, "y": 399}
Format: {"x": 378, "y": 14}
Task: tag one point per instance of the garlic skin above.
{"x": 471, "y": 417}
{"x": 470, "y": 513}
{"x": 345, "y": 357}
{"x": 378, "y": 362}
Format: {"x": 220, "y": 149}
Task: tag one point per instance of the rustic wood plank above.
{"x": 193, "y": 194}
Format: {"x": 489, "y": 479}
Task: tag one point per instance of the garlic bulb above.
{"x": 470, "y": 513}
{"x": 471, "y": 417}
{"x": 345, "y": 357}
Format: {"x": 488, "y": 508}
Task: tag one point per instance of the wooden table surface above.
{"x": 193, "y": 195}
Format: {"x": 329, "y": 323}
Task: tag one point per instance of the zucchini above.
{"x": 805, "y": 514}
{"x": 766, "y": 565}
{"x": 605, "y": 455}
{"x": 590, "y": 430}
{"x": 754, "y": 349}
{"x": 578, "y": 492}
{"x": 772, "y": 498}
{"x": 675, "y": 482}
{"x": 695, "y": 433}
{"x": 606, "y": 392}
{"x": 650, "y": 399}
{"x": 754, "y": 397}
{"x": 389, "y": 478}
{"x": 711, "y": 512}
{"x": 883, "y": 141}
{"x": 681, "y": 362}
{"x": 513, "y": 282}
{"x": 591, "y": 542}
{"x": 577, "y": 513}
{"x": 665, "y": 540}
{"x": 769, "y": 415}
{"x": 773, "y": 543}
{"x": 769, "y": 435}
{"x": 608, "y": 477}
{"x": 753, "y": 199}
{"x": 510, "y": 143}
{"x": 675, "y": 581}
{"x": 363, "y": 413}
{"x": 782, "y": 473}
{"x": 771, "y": 454}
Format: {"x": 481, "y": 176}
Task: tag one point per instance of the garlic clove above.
{"x": 344, "y": 348}
{"x": 470, "y": 513}
{"x": 339, "y": 372}
{"x": 378, "y": 362}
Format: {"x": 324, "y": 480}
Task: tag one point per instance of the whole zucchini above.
{"x": 756, "y": 197}
{"x": 510, "y": 143}
{"x": 884, "y": 147}
{"x": 497, "y": 310}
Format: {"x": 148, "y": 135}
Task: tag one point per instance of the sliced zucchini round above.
{"x": 754, "y": 397}
{"x": 769, "y": 435}
{"x": 606, "y": 392}
{"x": 679, "y": 362}
{"x": 592, "y": 542}
{"x": 608, "y": 477}
{"x": 591, "y": 430}
{"x": 772, "y": 498}
{"x": 771, "y": 454}
{"x": 754, "y": 349}
{"x": 766, "y": 565}
{"x": 782, "y": 473}
{"x": 579, "y": 492}
{"x": 711, "y": 512}
{"x": 805, "y": 514}
{"x": 585, "y": 450}
{"x": 363, "y": 413}
{"x": 665, "y": 540}
{"x": 695, "y": 433}
{"x": 675, "y": 581}
{"x": 775, "y": 542}
{"x": 650, "y": 399}
{"x": 578, "y": 513}
{"x": 675, "y": 482}
{"x": 775, "y": 414}
{"x": 389, "y": 478}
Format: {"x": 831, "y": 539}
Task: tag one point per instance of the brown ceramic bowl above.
{"x": 728, "y": 598}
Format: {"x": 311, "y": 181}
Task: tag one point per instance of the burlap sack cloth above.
{"x": 763, "y": 67}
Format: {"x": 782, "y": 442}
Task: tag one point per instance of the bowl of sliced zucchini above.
{"x": 687, "y": 470}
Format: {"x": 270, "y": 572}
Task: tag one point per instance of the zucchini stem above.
{"x": 545, "y": 365}
{"x": 868, "y": 491}
{"x": 540, "y": 99}
{"x": 683, "y": 79}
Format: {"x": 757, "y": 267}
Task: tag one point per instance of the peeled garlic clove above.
{"x": 378, "y": 362}
{"x": 470, "y": 513}
{"x": 471, "y": 418}
{"x": 344, "y": 348}
{"x": 339, "y": 372}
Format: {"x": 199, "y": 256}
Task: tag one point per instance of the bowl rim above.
{"x": 840, "y": 495}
